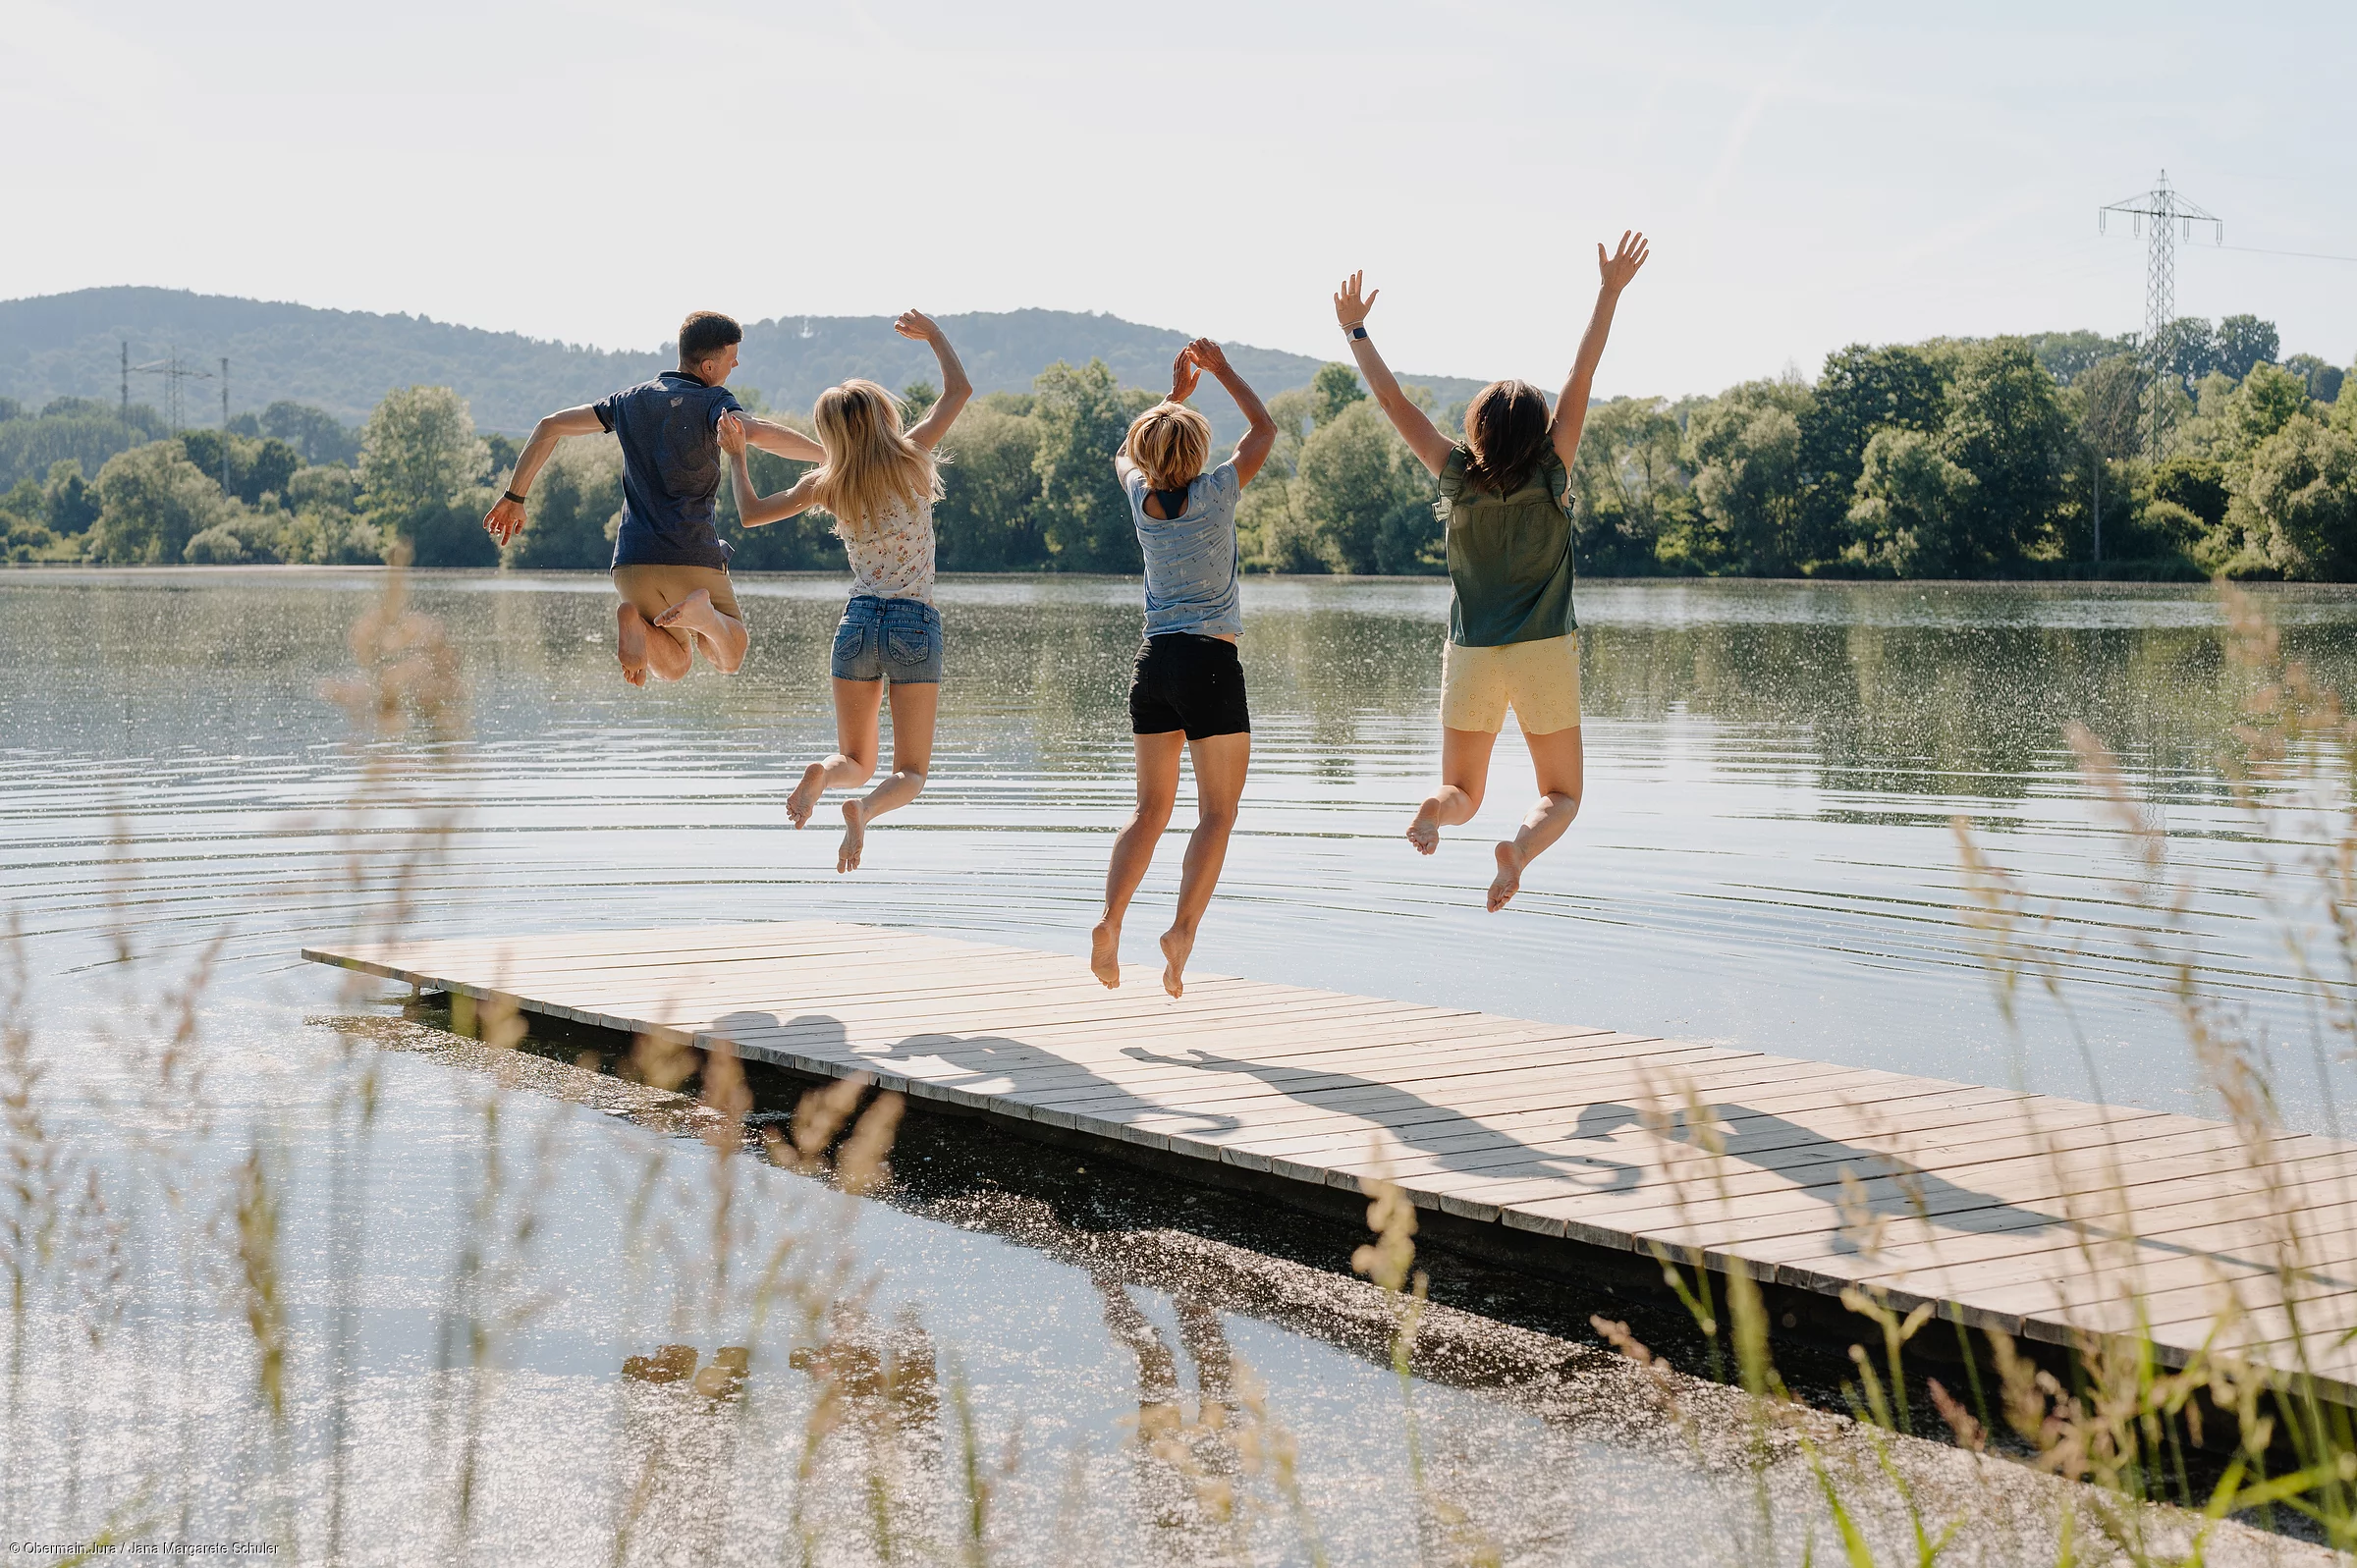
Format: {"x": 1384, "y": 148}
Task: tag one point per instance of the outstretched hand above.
{"x": 916, "y": 324}
{"x": 1622, "y": 265}
{"x": 1184, "y": 374}
{"x": 731, "y": 431}
{"x": 1348, "y": 307}
{"x": 504, "y": 521}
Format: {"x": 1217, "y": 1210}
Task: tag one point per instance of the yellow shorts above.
{"x": 655, "y": 590}
{"x": 1539, "y": 680}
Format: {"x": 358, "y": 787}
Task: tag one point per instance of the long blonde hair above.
{"x": 872, "y": 468}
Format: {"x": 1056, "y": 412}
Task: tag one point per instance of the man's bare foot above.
{"x": 1105, "y": 953}
{"x": 854, "y": 838}
{"x": 804, "y": 799}
{"x": 1425, "y": 832}
{"x": 1175, "y": 946}
{"x": 693, "y": 613}
{"x": 1510, "y": 862}
{"x": 629, "y": 643}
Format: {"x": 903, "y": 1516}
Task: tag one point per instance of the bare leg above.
{"x": 914, "y": 706}
{"x": 1561, "y": 761}
{"x": 1133, "y": 850}
{"x": 1464, "y": 773}
{"x": 668, "y": 654}
{"x": 722, "y": 636}
{"x": 852, "y": 762}
{"x": 629, "y": 642}
{"x": 1221, "y": 762}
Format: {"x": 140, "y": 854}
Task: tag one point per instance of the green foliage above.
{"x": 152, "y": 501}
{"x": 71, "y": 430}
{"x": 1861, "y": 390}
{"x": 2109, "y": 399}
{"x": 1744, "y": 452}
{"x": 256, "y": 467}
{"x": 2323, "y": 380}
{"x": 2195, "y": 483}
{"x": 2244, "y": 342}
{"x": 1367, "y": 500}
{"x": 1628, "y": 488}
{"x": 2006, "y": 428}
{"x": 2268, "y": 399}
{"x": 320, "y": 436}
{"x": 988, "y": 518}
{"x": 2068, "y": 356}
{"x": 1332, "y": 390}
{"x": 2302, "y": 501}
{"x": 421, "y": 470}
{"x": 1914, "y": 508}
{"x": 573, "y": 508}
{"x": 1083, "y": 416}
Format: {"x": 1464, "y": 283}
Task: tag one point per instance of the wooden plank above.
{"x": 2000, "y": 1204}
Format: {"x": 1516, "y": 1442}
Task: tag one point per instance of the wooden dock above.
{"x": 2042, "y": 1216}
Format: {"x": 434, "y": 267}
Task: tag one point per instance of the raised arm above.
{"x": 1415, "y": 427}
{"x": 1184, "y": 374}
{"x": 505, "y": 520}
{"x": 753, "y": 509}
{"x": 1571, "y": 408}
{"x": 955, "y": 390}
{"x": 1260, "y": 431}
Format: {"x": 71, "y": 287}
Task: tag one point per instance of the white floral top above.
{"x": 893, "y": 559}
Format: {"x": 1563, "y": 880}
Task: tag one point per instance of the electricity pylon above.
{"x": 173, "y": 373}
{"x": 2171, "y": 216}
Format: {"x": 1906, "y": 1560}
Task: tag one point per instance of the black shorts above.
{"x": 1188, "y": 682}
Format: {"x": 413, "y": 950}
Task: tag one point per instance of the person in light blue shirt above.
{"x": 1188, "y": 692}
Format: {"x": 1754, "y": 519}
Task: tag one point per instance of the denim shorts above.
{"x": 896, "y": 637}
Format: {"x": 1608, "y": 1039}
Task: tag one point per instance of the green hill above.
{"x": 70, "y": 344}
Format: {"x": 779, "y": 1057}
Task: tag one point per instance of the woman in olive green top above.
{"x": 1513, "y": 639}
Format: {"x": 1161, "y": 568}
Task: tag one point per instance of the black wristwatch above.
{"x": 1355, "y": 331}
{"x": 513, "y": 495}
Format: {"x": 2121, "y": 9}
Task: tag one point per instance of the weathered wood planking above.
{"x": 2037, "y": 1215}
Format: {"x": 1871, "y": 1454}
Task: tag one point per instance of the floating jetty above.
{"x": 2048, "y": 1218}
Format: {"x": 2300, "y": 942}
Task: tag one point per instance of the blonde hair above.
{"x": 1168, "y": 442}
{"x": 872, "y": 468}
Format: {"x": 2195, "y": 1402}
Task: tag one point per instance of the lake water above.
{"x": 1765, "y": 858}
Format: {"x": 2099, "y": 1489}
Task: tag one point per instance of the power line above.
{"x": 2165, "y": 213}
{"x": 2309, "y": 255}
{"x": 173, "y": 373}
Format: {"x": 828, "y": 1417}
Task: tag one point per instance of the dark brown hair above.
{"x": 1506, "y": 428}
{"x": 704, "y": 333}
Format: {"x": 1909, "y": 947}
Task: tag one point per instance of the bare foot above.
{"x": 804, "y": 799}
{"x": 854, "y": 838}
{"x": 693, "y": 613}
{"x": 1175, "y": 946}
{"x": 1425, "y": 832}
{"x": 629, "y": 643}
{"x": 1105, "y": 953}
{"x": 1510, "y": 862}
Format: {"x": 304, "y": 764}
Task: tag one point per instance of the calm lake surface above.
{"x": 1765, "y": 858}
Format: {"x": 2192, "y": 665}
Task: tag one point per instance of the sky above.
{"x": 1810, "y": 176}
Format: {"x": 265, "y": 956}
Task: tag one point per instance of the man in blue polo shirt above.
{"x": 670, "y": 564}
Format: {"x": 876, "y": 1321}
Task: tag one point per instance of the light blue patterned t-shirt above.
{"x": 1190, "y": 559}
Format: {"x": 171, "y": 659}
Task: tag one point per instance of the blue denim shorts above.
{"x": 896, "y": 637}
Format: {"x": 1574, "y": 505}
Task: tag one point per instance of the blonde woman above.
{"x": 1513, "y": 638}
{"x": 1188, "y": 692}
{"x": 880, "y": 483}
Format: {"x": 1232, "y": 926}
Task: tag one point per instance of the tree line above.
{"x": 1946, "y": 458}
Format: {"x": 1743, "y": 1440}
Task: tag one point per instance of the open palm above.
{"x": 1622, "y": 265}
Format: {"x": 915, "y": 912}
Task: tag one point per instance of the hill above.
{"x": 70, "y": 344}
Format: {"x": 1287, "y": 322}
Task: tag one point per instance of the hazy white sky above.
{"x": 1811, "y": 175}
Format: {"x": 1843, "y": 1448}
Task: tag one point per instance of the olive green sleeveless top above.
{"x": 1509, "y": 557}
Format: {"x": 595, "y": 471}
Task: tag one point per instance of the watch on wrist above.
{"x": 1355, "y": 331}
{"x": 513, "y": 495}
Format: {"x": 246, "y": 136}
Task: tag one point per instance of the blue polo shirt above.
{"x": 670, "y": 470}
